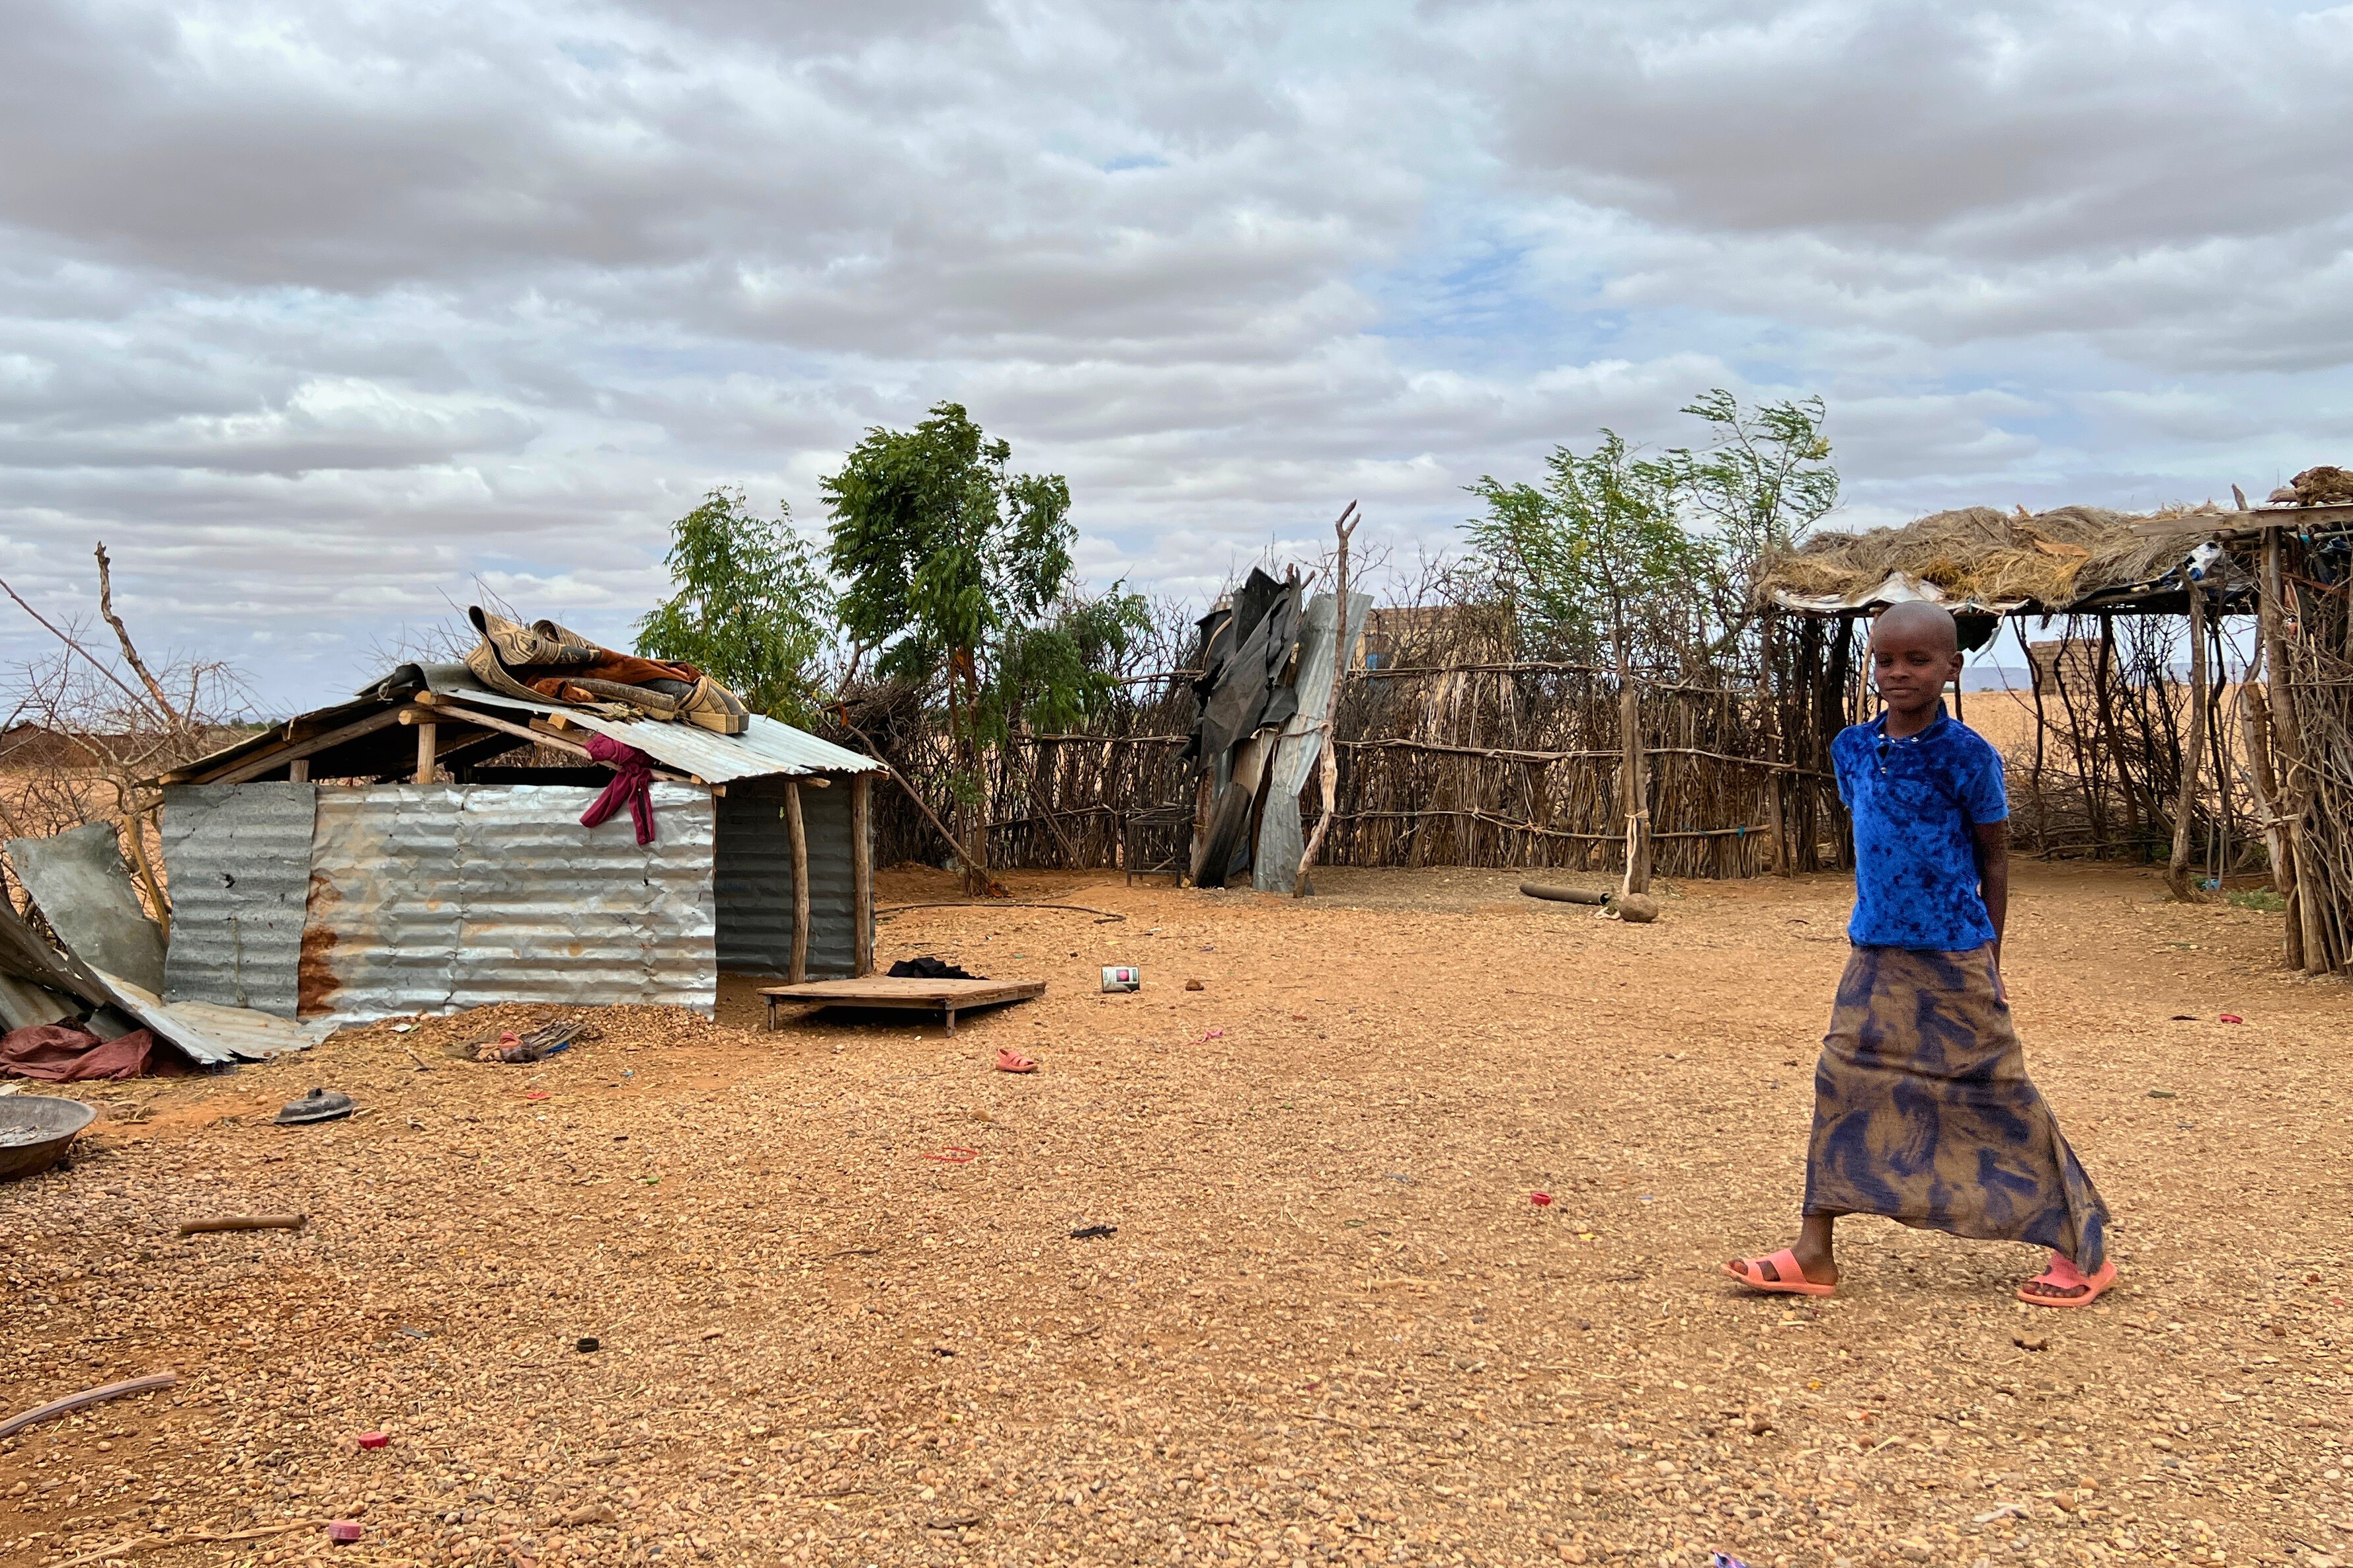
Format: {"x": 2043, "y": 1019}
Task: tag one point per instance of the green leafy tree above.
{"x": 1764, "y": 478}
{"x": 957, "y": 574}
{"x": 1064, "y": 673}
{"x": 1591, "y": 561}
{"x": 753, "y": 609}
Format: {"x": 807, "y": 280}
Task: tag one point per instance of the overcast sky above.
{"x": 315, "y": 312}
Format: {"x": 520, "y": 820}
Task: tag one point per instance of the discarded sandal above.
{"x": 1792, "y": 1281}
{"x": 1010, "y": 1060}
{"x": 2064, "y": 1274}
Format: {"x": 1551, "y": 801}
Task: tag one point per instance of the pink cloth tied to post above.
{"x": 633, "y": 781}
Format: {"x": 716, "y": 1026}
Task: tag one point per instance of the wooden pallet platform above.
{"x": 948, "y": 996}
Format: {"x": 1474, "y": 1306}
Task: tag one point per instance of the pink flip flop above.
{"x": 2064, "y": 1273}
{"x": 1792, "y": 1281}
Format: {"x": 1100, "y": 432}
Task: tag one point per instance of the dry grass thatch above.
{"x": 2053, "y": 558}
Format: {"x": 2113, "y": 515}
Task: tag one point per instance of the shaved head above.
{"x": 1915, "y": 623}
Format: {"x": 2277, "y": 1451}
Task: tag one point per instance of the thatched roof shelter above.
{"x": 2071, "y": 558}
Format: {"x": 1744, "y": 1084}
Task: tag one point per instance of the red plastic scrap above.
{"x": 344, "y": 1532}
{"x": 372, "y": 1439}
{"x": 1542, "y": 1200}
{"x": 2233, "y": 1018}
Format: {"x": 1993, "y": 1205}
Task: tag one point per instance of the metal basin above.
{"x": 35, "y": 1129}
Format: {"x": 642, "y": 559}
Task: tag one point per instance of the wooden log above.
{"x": 798, "y": 974}
{"x": 1561, "y": 895}
{"x": 428, "y": 735}
{"x": 862, "y": 872}
{"x": 244, "y": 1222}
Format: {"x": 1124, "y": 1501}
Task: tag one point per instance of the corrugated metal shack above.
{"x": 362, "y": 861}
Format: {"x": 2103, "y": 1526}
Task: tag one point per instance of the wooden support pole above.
{"x": 861, "y": 873}
{"x": 298, "y": 771}
{"x": 2302, "y": 943}
{"x": 798, "y": 975}
{"x": 1779, "y": 862}
{"x": 2193, "y": 752}
{"x": 428, "y": 736}
{"x": 1633, "y": 786}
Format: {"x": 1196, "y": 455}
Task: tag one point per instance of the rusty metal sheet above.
{"x": 380, "y": 934}
{"x": 430, "y": 898}
{"x": 238, "y": 860}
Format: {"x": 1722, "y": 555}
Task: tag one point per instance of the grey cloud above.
{"x": 317, "y": 313}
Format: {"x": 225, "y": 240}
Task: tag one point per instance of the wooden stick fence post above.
{"x": 1327, "y": 770}
{"x": 1634, "y": 786}
{"x": 2299, "y": 947}
{"x": 2193, "y": 752}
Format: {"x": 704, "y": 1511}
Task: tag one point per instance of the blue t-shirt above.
{"x": 1915, "y": 802}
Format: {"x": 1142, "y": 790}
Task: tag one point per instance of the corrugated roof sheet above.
{"x": 765, "y": 750}
{"x": 768, "y": 748}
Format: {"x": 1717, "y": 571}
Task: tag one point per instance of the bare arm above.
{"x": 1993, "y": 881}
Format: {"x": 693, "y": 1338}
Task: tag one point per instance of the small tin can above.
{"x": 1120, "y": 978}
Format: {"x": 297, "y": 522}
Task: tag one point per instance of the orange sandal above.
{"x": 2064, "y": 1274}
{"x": 1792, "y": 1281}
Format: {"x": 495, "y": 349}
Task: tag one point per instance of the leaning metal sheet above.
{"x": 552, "y": 912}
{"x": 237, "y": 859}
{"x": 427, "y": 898}
{"x": 381, "y": 936}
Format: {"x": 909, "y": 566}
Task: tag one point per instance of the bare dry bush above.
{"x": 87, "y": 727}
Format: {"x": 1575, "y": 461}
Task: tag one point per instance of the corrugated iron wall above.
{"x": 430, "y": 897}
{"x": 237, "y": 858}
{"x": 755, "y": 880}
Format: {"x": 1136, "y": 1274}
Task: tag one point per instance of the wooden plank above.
{"x": 945, "y": 997}
{"x": 861, "y": 873}
{"x": 449, "y": 709}
{"x": 799, "y": 833}
{"x": 429, "y": 737}
{"x": 905, "y": 991}
{"x": 252, "y": 768}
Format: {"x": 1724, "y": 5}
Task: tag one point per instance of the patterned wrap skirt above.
{"x": 1923, "y": 1111}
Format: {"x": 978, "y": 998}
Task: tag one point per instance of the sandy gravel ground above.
{"x": 1331, "y": 1326}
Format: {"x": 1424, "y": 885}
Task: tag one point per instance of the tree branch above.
{"x": 122, "y": 636}
{"x": 94, "y": 662}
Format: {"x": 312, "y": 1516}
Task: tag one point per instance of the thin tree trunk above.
{"x": 1327, "y": 764}
{"x": 131, "y": 653}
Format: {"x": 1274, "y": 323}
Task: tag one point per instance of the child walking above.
{"x": 1923, "y": 1111}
